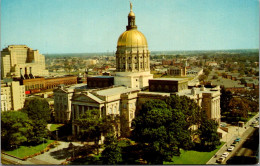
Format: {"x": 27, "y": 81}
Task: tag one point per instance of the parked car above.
{"x": 225, "y": 154}
{"x": 231, "y": 148}
{"x": 237, "y": 140}
{"x": 255, "y": 122}
{"x": 256, "y": 126}
{"x": 221, "y": 160}
{"x": 222, "y": 124}
{"x": 234, "y": 143}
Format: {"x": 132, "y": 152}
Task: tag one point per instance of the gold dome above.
{"x": 131, "y": 13}
{"x": 132, "y": 38}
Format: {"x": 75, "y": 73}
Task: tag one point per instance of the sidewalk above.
{"x": 47, "y": 158}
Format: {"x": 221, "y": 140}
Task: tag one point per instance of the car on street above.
{"x": 256, "y": 126}
{"x": 221, "y": 160}
{"x": 237, "y": 140}
{"x": 255, "y": 122}
{"x": 234, "y": 144}
{"x": 222, "y": 124}
{"x": 231, "y": 148}
{"x": 225, "y": 154}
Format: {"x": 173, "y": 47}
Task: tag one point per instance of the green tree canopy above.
{"x": 112, "y": 153}
{"x": 208, "y": 135}
{"x": 15, "y": 126}
{"x": 39, "y": 112}
{"x": 37, "y": 109}
{"x": 92, "y": 126}
{"x": 161, "y": 130}
{"x": 225, "y": 98}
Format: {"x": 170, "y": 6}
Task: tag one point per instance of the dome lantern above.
{"x": 131, "y": 19}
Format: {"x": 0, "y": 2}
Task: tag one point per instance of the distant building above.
{"x": 177, "y": 71}
{"x": 211, "y": 64}
{"x": 22, "y": 61}
{"x": 100, "y": 81}
{"x": 12, "y": 96}
{"x": 40, "y": 83}
{"x": 168, "y": 62}
{"x": 194, "y": 71}
{"x": 168, "y": 84}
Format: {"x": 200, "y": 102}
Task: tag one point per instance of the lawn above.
{"x": 55, "y": 127}
{"x": 250, "y": 115}
{"x": 193, "y": 157}
{"x": 23, "y": 151}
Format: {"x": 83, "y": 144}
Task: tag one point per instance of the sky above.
{"x": 88, "y": 26}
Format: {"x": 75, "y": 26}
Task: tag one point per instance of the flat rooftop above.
{"x": 170, "y": 79}
{"x": 116, "y": 90}
{"x": 102, "y": 77}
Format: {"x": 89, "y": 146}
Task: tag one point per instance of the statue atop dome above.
{"x": 131, "y": 6}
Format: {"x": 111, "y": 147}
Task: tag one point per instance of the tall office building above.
{"x": 22, "y": 61}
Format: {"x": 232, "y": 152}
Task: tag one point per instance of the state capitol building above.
{"x": 133, "y": 86}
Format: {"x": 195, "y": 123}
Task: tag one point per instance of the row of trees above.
{"x": 26, "y": 126}
{"x": 236, "y": 108}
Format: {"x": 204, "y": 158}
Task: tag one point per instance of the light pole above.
{"x": 43, "y": 143}
{"x": 226, "y": 139}
{"x": 17, "y": 154}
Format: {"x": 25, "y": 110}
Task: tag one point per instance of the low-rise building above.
{"x": 177, "y": 71}
{"x": 168, "y": 84}
{"x": 62, "y": 102}
{"x": 207, "y": 98}
{"x": 116, "y": 101}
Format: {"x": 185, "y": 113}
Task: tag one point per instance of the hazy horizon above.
{"x": 58, "y": 26}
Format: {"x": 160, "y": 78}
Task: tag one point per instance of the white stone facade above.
{"x": 12, "y": 96}
{"x": 117, "y": 101}
{"x": 133, "y": 79}
{"x": 62, "y": 104}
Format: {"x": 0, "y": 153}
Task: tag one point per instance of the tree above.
{"x": 112, "y": 153}
{"x": 239, "y": 107}
{"x": 92, "y": 126}
{"x": 188, "y": 107}
{"x": 206, "y": 71}
{"x": 202, "y": 77}
{"x": 37, "y": 109}
{"x": 16, "y": 127}
{"x": 225, "y": 98}
{"x": 208, "y": 134}
{"x": 243, "y": 81}
{"x": 39, "y": 112}
{"x": 215, "y": 77}
{"x": 160, "y": 131}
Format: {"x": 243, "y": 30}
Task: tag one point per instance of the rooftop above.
{"x": 116, "y": 90}
{"x": 171, "y": 79}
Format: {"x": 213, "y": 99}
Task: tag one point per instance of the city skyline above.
{"x": 94, "y": 26}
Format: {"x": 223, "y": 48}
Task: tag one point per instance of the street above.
{"x": 246, "y": 130}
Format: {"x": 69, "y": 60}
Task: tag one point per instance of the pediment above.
{"x": 86, "y": 98}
